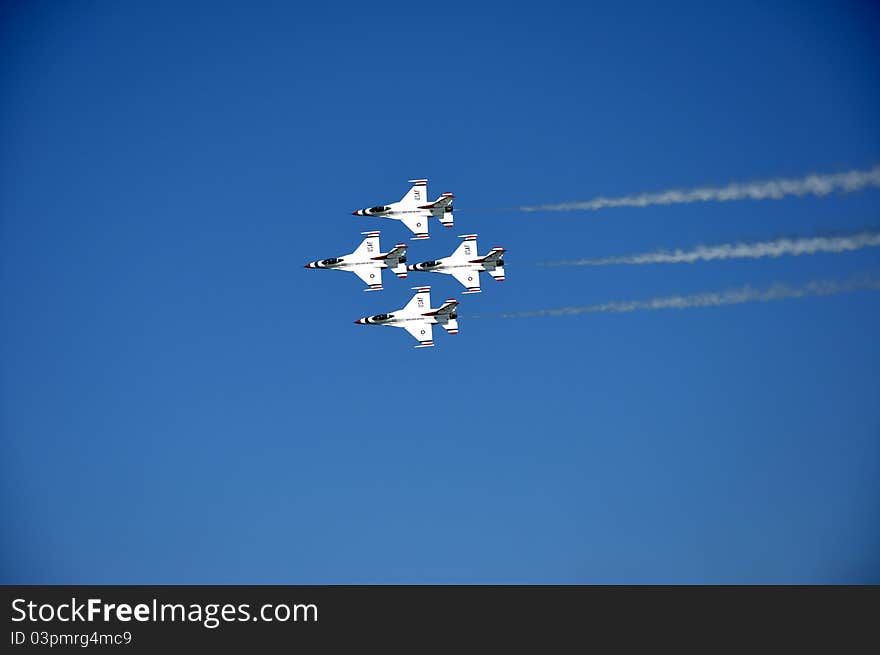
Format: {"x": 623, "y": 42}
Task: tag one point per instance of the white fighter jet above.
{"x": 414, "y": 210}
{"x": 465, "y": 264}
{"x": 418, "y": 317}
{"x": 367, "y": 261}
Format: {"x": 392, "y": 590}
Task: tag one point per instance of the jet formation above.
{"x": 464, "y": 264}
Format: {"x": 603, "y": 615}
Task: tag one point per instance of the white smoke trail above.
{"x": 755, "y": 250}
{"x": 814, "y": 184}
{"x": 746, "y": 294}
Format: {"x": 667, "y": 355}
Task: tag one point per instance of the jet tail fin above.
{"x": 497, "y": 273}
{"x": 442, "y": 209}
{"x": 446, "y": 218}
{"x": 451, "y": 326}
{"x": 395, "y": 259}
{"x": 447, "y": 316}
{"x": 493, "y": 263}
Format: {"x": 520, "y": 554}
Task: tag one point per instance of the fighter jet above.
{"x": 418, "y": 317}
{"x": 414, "y": 210}
{"x": 367, "y": 261}
{"x": 465, "y": 265}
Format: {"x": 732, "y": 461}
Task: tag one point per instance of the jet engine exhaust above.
{"x": 776, "y": 189}
{"x": 794, "y": 246}
{"x": 742, "y": 295}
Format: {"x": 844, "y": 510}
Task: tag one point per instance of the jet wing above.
{"x": 417, "y": 194}
{"x": 469, "y": 278}
{"x": 421, "y": 331}
{"x": 417, "y": 225}
{"x": 372, "y": 275}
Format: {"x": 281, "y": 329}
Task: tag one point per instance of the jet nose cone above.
{"x": 360, "y": 321}
{"x": 357, "y": 212}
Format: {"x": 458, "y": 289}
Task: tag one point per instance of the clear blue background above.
{"x": 183, "y": 402}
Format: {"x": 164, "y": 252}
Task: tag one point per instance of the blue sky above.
{"x": 182, "y": 402}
